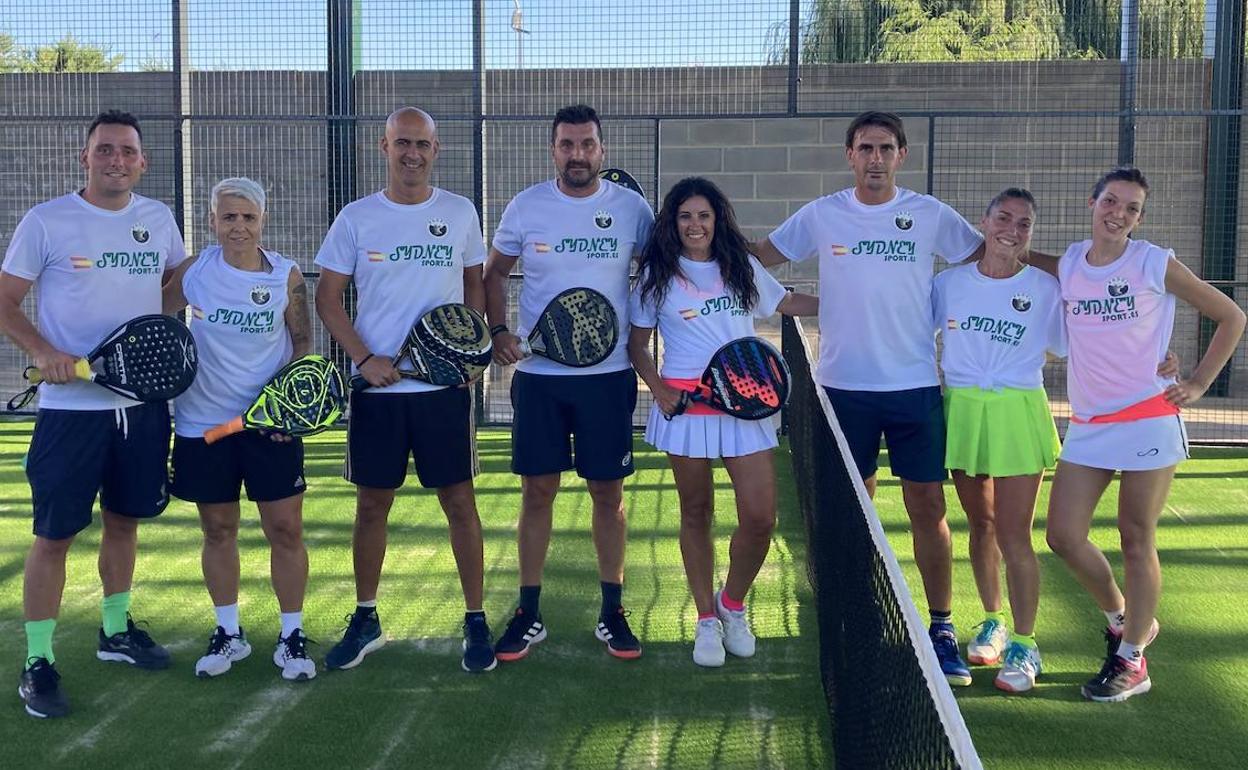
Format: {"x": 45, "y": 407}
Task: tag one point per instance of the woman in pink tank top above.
{"x": 1119, "y": 295}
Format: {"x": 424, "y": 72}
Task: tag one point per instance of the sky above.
{"x": 413, "y": 34}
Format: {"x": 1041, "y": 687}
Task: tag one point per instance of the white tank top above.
{"x": 239, "y": 325}
{"x": 1119, "y": 319}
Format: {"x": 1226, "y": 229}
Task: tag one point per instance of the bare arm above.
{"x": 298, "y": 319}
{"x": 665, "y": 395}
{"x": 474, "y": 288}
{"x": 1046, "y": 262}
{"x": 498, "y": 267}
{"x": 796, "y": 303}
{"x": 54, "y": 365}
{"x": 172, "y": 297}
{"x": 378, "y": 369}
{"x": 767, "y": 252}
{"x": 1222, "y": 310}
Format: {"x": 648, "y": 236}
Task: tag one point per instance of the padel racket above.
{"x": 304, "y": 398}
{"x": 578, "y": 328}
{"x": 746, "y": 378}
{"x": 149, "y": 358}
{"x": 449, "y": 345}
{"x": 622, "y": 178}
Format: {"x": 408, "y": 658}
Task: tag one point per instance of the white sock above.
{"x": 1131, "y": 653}
{"x": 291, "y": 622}
{"x": 227, "y": 618}
{"x": 370, "y": 603}
{"x": 1117, "y": 619}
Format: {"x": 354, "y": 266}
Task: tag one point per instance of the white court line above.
{"x": 254, "y": 724}
{"x": 1183, "y": 519}
{"x": 115, "y": 707}
{"x": 397, "y": 737}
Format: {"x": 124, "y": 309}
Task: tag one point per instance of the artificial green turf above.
{"x": 409, "y": 705}
{"x": 1197, "y": 713}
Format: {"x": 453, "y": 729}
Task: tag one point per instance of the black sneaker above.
{"x": 521, "y": 634}
{"x": 478, "y": 646}
{"x": 362, "y": 636}
{"x": 40, "y": 692}
{"x": 613, "y": 629}
{"x": 134, "y": 646}
{"x": 1118, "y": 680}
{"x": 1113, "y": 638}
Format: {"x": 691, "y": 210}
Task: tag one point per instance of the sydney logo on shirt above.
{"x": 1021, "y": 302}
{"x": 260, "y": 295}
{"x": 903, "y": 221}
{"x": 602, "y": 218}
{"x": 716, "y": 305}
{"x": 891, "y": 250}
{"x": 427, "y": 254}
{"x": 997, "y": 329}
{"x": 1117, "y": 287}
{"x": 437, "y": 228}
{"x": 140, "y": 233}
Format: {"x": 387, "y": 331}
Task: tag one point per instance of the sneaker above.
{"x": 362, "y": 636}
{"x": 521, "y": 634}
{"x": 1117, "y": 681}
{"x": 224, "y": 650}
{"x": 40, "y": 692}
{"x": 708, "y": 643}
{"x": 1022, "y": 666}
{"x": 1113, "y": 637}
{"x": 738, "y": 639}
{"x": 478, "y": 646}
{"x": 613, "y": 629}
{"x": 945, "y": 643}
{"x": 986, "y": 648}
{"x": 291, "y": 656}
{"x": 134, "y": 646}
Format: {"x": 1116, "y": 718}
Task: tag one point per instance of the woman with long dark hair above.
{"x": 700, "y": 287}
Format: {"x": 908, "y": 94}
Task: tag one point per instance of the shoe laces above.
{"x": 1018, "y": 656}
{"x": 137, "y": 635}
{"x": 355, "y": 624}
{"x": 296, "y": 645}
{"x": 478, "y": 632}
{"x": 944, "y": 640}
{"x": 1114, "y": 666}
{"x": 42, "y": 674}
{"x": 617, "y": 623}
{"x": 219, "y": 643}
{"x": 987, "y": 629}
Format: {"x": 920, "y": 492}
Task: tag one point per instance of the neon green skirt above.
{"x": 1009, "y": 432}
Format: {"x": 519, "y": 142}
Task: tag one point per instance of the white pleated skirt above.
{"x": 1137, "y": 445}
{"x": 709, "y": 435}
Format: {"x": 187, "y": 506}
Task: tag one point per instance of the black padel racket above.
{"x": 149, "y": 358}
{"x": 304, "y": 398}
{"x": 449, "y": 345}
{"x": 578, "y": 328}
{"x": 746, "y": 378}
{"x": 623, "y": 179}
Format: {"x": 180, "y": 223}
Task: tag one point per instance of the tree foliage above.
{"x": 65, "y": 55}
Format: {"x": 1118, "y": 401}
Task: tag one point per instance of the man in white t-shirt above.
{"x": 96, "y": 258}
{"x": 571, "y": 231}
{"x": 877, "y": 244}
{"x": 408, "y": 248}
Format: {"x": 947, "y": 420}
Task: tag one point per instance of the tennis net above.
{"x": 889, "y": 704}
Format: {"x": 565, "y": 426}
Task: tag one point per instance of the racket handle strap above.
{"x": 213, "y": 435}
{"x": 358, "y": 383}
{"x": 682, "y": 404}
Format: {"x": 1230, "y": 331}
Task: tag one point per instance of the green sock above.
{"x": 998, "y": 616}
{"x": 1027, "y": 640}
{"x": 39, "y": 639}
{"x": 115, "y": 608}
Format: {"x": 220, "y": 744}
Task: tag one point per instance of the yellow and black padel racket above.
{"x": 304, "y": 398}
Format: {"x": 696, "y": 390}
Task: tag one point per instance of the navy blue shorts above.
{"x": 119, "y": 454}
{"x": 216, "y": 473}
{"x": 911, "y": 421}
{"x": 434, "y": 427}
{"x": 553, "y": 412}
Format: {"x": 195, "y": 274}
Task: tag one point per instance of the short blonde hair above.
{"x": 239, "y": 187}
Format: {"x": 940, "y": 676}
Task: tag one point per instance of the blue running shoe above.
{"x": 362, "y": 636}
{"x": 945, "y": 643}
{"x": 478, "y": 646}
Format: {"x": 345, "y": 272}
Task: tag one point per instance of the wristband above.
{"x": 499, "y": 329}
{"x": 363, "y": 361}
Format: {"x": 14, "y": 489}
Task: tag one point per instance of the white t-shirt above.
{"x": 875, "y": 283}
{"x": 239, "y": 324}
{"x": 406, "y": 260}
{"x": 997, "y": 330}
{"x": 565, "y": 242}
{"x": 1119, "y": 317}
{"x": 699, "y": 315}
{"x": 94, "y": 269}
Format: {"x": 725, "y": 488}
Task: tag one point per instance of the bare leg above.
{"x": 368, "y": 542}
{"x": 697, "y": 511}
{"x": 1016, "y": 508}
{"x": 976, "y": 495}
{"x": 610, "y": 528}
{"x": 754, "y": 483}
{"x": 288, "y": 558}
{"x": 533, "y": 532}
{"x": 1141, "y": 497}
{"x": 933, "y": 546}
{"x": 1076, "y": 490}
{"x": 219, "y": 555}
{"x": 459, "y": 503}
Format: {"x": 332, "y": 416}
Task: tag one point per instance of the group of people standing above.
{"x": 700, "y": 283}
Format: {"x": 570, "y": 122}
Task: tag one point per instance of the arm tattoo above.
{"x": 298, "y": 321}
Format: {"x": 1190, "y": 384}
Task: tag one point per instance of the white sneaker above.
{"x": 738, "y": 639}
{"x": 708, "y": 643}
{"x": 291, "y": 656}
{"x": 988, "y": 645}
{"x": 1021, "y": 667}
{"x": 224, "y": 650}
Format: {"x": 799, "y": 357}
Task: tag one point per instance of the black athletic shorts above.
{"x": 434, "y": 427}
{"x": 216, "y": 473}
{"x": 553, "y": 413}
